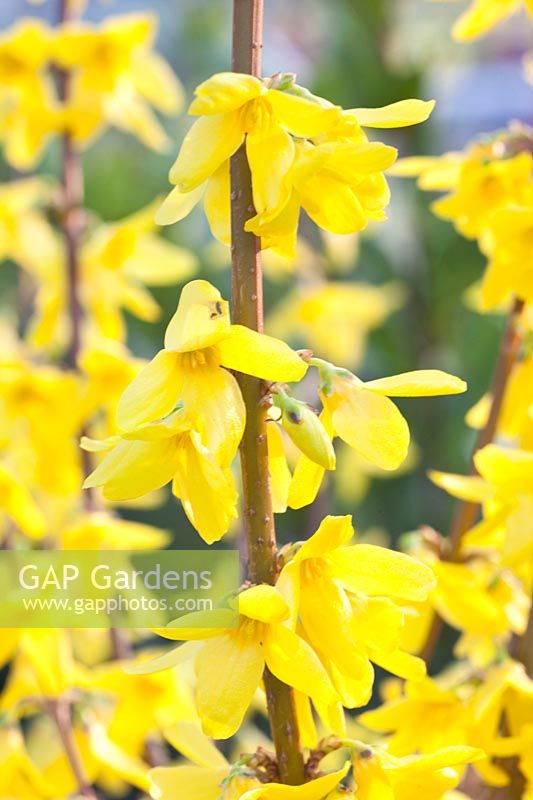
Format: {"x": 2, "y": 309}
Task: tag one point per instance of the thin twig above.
{"x": 61, "y": 712}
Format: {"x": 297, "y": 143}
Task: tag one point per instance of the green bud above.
{"x": 306, "y": 430}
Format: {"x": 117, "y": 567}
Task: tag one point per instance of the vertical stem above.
{"x": 466, "y": 512}
{"x": 61, "y": 713}
{"x": 247, "y": 302}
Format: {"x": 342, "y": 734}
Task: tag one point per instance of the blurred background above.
{"x": 355, "y": 53}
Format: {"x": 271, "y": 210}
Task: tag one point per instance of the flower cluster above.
{"x": 114, "y": 79}
{"x": 304, "y": 153}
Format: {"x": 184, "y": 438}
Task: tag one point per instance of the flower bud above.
{"x": 306, "y": 430}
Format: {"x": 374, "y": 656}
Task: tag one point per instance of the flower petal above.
{"x": 153, "y": 393}
{"x": 419, "y": 383}
{"x": 200, "y": 320}
{"x": 263, "y": 603}
{"x": 210, "y": 141}
{"x": 332, "y": 533}
{"x": 225, "y": 91}
{"x": 213, "y": 402}
{"x": 177, "y": 205}
{"x": 260, "y": 355}
{"x": 133, "y": 469}
{"x": 303, "y": 118}
{"x": 217, "y": 204}
{"x": 373, "y": 426}
{"x": 295, "y": 663}
{"x": 190, "y": 741}
{"x": 312, "y": 790}
{"x": 195, "y": 783}
{"x": 271, "y": 187}
{"x": 395, "y": 115}
{"x": 207, "y": 492}
{"x": 378, "y": 571}
{"x": 228, "y": 671}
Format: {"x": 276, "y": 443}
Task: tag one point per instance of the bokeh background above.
{"x": 356, "y": 53}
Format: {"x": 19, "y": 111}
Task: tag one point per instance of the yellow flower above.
{"x": 154, "y": 454}
{"x": 230, "y": 665}
{"x": 380, "y": 776}
{"x": 364, "y": 417}
{"x": 117, "y": 261}
{"x": 482, "y": 15}
{"x": 484, "y": 186}
{"x": 117, "y": 77}
{"x": 211, "y": 777}
{"x": 233, "y": 107}
{"x": 505, "y": 488}
{"x": 425, "y": 717}
{"x": 343, "y": 598}
{"x": 507, "y": 244}
{"x": 200, "y": 347}
{"x": 18, "y": 504}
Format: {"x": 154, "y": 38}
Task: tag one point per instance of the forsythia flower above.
{"x": 491, "y": 200}
{"x": 200, "y": 347}
{"x": 116, "y": 262}
{"x": 378, "y": 775}
{"x": 116, "y": 80}
{"x": 364, "y": 417}
{"x": 425, "y": 717}
{"x": 171, "y": 450}
{"x": 230, "y": 664}
{"x": 344, "y": 599}
{"x": 291, "y": 165}
{"x": 211, "y": 777}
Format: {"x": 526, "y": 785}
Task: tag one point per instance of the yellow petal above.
{"x": 260, "y": 355}
{"x": 306, "y": 482}
{"x": 332, "y": 204}
{"x": 153, "y": 393}
{"x": 155, "y": 80}
{"x": 373, "y": 426}
{"x": 207, "y": 492}
{"x": 172, "y": 657}
{"x": 133, "y": 469}
{"x": 405, "y": 665}
{"x": 377, "y": 571}
{"x": 471, "y": 488}
{"x": 263, "y": 603}
{"x": 333, "y": 532}
{"x": 396, "y": 115}
{"x": 302, "y": 117}
{"x": 294, "y": 662}
{"x": 280, "y": 474}
{"x": 481, "y": 16}
{"x": 190, "y": 741}
{"x": 228, "y": 671}
{"x": 210, "y": 141}
{"x": 420, "y": 383}
{"x": 201, "y": 318}
{"x": 213, "y": 402}
{"x": 271, "y": 187}
{"x": 195, "y": 783}
{"x": 225, "y": 91}
{"x": 312, "y": 790}
{"x": 217, "y": 204}
{"x": 506, "y": 467}
{"x": 178, "y": 204}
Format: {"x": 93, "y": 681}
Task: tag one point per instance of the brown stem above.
{"x": 73, "y": 226}
{"x": 466, "y": 512}
{"x": 61, "y": 712}
{"x": 247, "y": 309}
